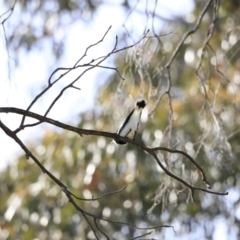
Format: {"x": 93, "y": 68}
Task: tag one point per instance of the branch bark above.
{"x": 80, "y": 131}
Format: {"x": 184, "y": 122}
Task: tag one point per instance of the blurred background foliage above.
{"x": 205, "y": 112}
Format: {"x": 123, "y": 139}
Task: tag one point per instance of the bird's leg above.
{"x": 128, "y": 132}
{"x": 134, "y": 135}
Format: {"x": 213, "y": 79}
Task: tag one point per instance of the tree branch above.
{"x": 92, "y": 64}
{"x": 64, "y": 188}
{"x": 151, "y": 151}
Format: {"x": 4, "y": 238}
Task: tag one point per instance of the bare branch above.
{"x": 92, "y": 45}
{"x": 64, "y": 188}
{"x": 143, "y": 235}
{"x": 89, "y": 223}
{"x": 204, "y": 179}
{"x": 115, "y": 136}
{"x": 184, "y": 37}
{"x": 98, "y": 198}
{"x": 163, "y": 67}
{"x": 50, "y": 84}
{"x": 90, "y": 66}
{"x": 9, "y": 13}
{"x": 99, "y": 229}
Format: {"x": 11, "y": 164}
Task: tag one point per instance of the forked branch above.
{"x": 151, "y": 151}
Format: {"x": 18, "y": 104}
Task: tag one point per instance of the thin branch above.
{"x": 50, "y": 84}
{"x": 92, "y": 45}
{"x": 98, "y": 198}
{"x": 100, "y": 230}
{"x": 9, "y": 12}
{"x": 76, "y": 87}
{"x": 204, "y": 178}
{"x": 143, "y": 235}
{"x": 112, "y": 136}
{"x": 90, "y": 66}
{"x": 205, "y": 45}
{"x": 108, "y": 220}
{"x": 190, "y": 32}
{"x": 89, "y": 223}
{"x": 112, "y": 68}
{"x": 13, "y": 135}
{"x": 114, "y": 50}
{"x": 174, "y": 54}
{"x": 134, "y": 44}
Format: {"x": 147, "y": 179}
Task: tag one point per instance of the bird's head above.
{"x": 141, "y": 103}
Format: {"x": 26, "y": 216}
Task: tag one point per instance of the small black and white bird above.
{"x": 129, "y": 126}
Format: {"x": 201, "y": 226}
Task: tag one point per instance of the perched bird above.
{"x": 129, "y": 126}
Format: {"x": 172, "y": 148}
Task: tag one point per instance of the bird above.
{"x": 129, "y": 126}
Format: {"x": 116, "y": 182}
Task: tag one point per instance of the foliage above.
{"x": 191, "y": 82}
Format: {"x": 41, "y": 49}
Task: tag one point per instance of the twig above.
{"x": 98, "y": 198}
{"x": 99, "y": 229}
{"x": 177, "y": 49}
{"x": 13, "y": 135}
{"x": 143, "y": 235}
{"x": 190, "y": 32}
{"x": 92, "y": 64}
{"x": 89, "y": 223}
{"x": 50, "y": 84}
{"x": 204, "y": 178}
{"x": 113, "y": 136}
{"x": 9, "y": 12}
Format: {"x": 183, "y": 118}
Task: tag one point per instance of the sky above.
{"x": 23, "y": 84}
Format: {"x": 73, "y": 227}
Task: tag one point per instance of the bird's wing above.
{"x": 124, "y": 124}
